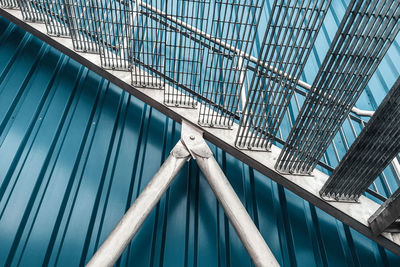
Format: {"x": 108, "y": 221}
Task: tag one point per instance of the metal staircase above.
{"x": 209, "y": 65}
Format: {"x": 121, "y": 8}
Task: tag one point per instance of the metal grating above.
{"x": 82, "y": 25}
{"x": 370, "y": 153}
{"x": 9, "y": 3}
{"x": 233, "y": 27}
{"x": 55, "y": 17}
{"x": 31, "y": 10}
{"x": 291, "y": 32}
{"x": 364, "y": 36}
{"x": 184, "y": 53}
{"x": 147, "y": 43}
{"x": 113, "y": 25}
{"x": 184, "y": 115}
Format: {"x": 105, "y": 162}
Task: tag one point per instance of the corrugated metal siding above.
{"x": 75, "y": 151}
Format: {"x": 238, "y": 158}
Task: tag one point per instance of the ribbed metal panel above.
{"x": 75, "y": 151}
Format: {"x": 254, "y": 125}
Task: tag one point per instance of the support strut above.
{"x": 118, "y": 240}
{"x": 191, "y": 145}
{"x": 237, "y": 214}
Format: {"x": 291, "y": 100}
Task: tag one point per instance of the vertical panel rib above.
{"x": 184, "y": 55}
{"x": 291, "y": 32}
{"x": 234, "y": 23}
{"x": 364, "y": 36}
{"x": 370, "y": 153}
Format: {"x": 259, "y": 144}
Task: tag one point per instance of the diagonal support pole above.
{"x": 244, "y": 226}
{"x": 191, "y": 145}
{"x": 118, "y": 240}
{"x": 386, "y": 217}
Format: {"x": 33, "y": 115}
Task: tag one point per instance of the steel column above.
{"x": 248, "y": 233}
{"x": 193, "y": 145}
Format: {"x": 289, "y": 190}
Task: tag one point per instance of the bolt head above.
{"x": 192, "y": 137}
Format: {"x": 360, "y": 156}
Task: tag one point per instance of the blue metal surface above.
{"x": 75, "y": 151}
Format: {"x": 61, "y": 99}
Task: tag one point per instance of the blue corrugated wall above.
{"x": 75, "y": 151}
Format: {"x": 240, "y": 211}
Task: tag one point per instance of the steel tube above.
{"x": 248, "y": 233}
{"x": 116, "y": 242}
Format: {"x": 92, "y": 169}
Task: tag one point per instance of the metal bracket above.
{"x": 386, "y": 217}
{"x": 192, "y": 138}
{"x": 180, "y": 151}
{"x": 191, "y": 145}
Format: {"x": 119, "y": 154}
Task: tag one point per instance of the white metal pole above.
{"x": 248, "y": 233}
{"x": 116, "y": 242}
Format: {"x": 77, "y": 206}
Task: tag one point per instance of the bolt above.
{"x": 192, "y": 137}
